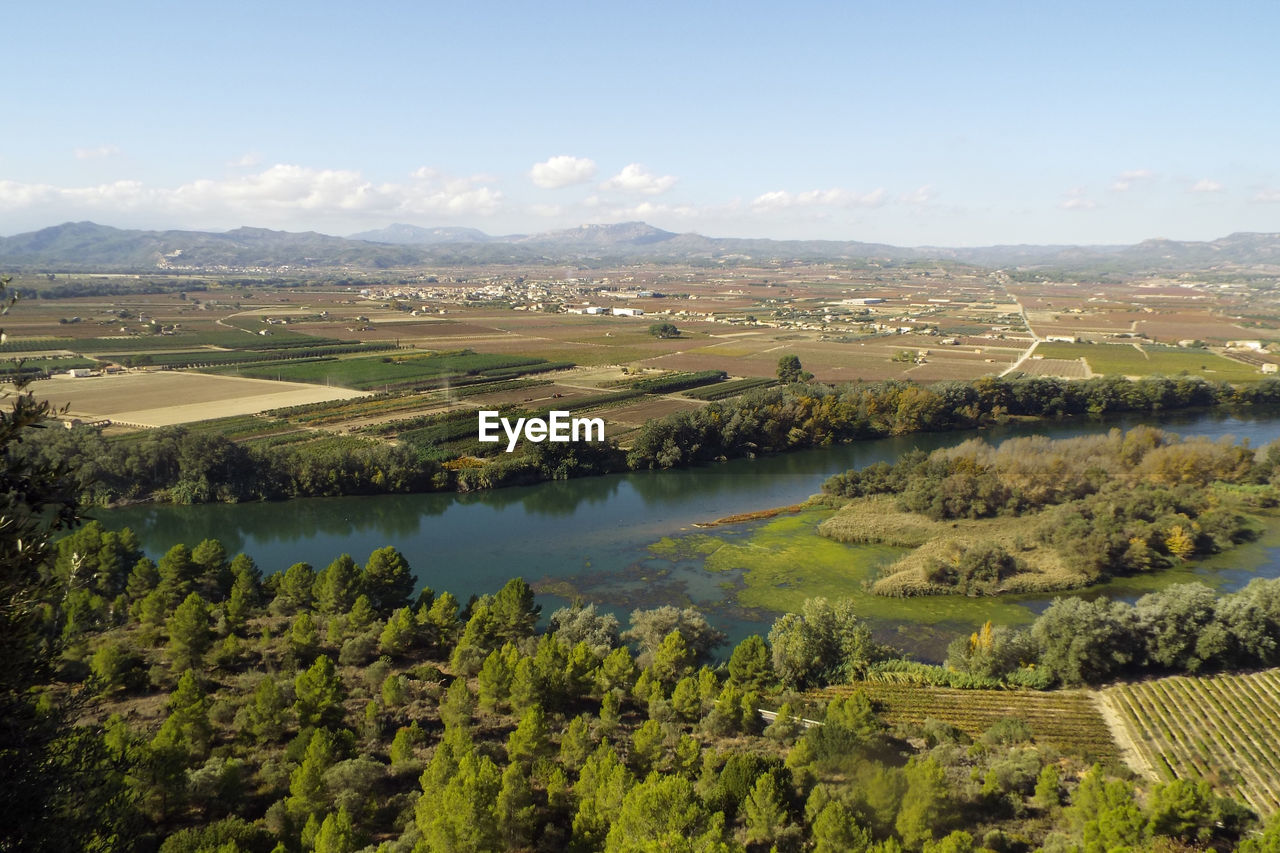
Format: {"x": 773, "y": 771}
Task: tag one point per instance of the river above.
{"x": 591, "y": 536}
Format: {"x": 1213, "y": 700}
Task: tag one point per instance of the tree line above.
{"x": 183, "y": 465}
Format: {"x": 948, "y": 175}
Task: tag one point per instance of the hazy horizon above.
{"x": 920, "y": 124}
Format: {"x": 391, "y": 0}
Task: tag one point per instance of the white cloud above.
{"x": 784, "y": 200}
{"x": 635, "y": 179}
{"x": 1267, "y": 195}
{"x": 918, "y": 196}
{"x": 1125, "y": 180}
{"x": 562, "y": 171}
{"x": 277, "y": 194}
{"x": 1076, "y": 200}
{"x": 101, "y": 152}
{"x": 1205, "y": 185}
{"x": 246, "y": 160}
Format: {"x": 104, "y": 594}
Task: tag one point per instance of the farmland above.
{"x": 1127, "y": 360}
{"x": 161, "y": 399}
{"x": 1224, "y": 729}
{"x": 400, "y": 371}
{"x": 1066, "y": 719}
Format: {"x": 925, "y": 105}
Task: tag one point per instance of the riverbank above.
{"x": 187, "y": 466}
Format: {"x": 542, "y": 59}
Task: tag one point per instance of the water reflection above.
{"x": 591, "y": 534}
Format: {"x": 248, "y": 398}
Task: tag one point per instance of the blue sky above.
{"x": 911, "y": 123}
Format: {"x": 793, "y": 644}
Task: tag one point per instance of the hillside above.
{"x": 87, "y": 245}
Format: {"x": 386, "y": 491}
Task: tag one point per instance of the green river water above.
{"x": 627, "y": 540}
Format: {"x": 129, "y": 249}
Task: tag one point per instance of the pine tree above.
{"x": 602, "y": 785}
{"x": 529, "y": 741}
{"x": 319, "y": 694}
{"x": 494, "y": 680}
{"x": 458, "y": 705}
{"x": 461, "y": 815}
{"x": 177, "y": 573}
{"x": 663, "y": 812}
{"x": 514, "y": 612}
{"x": 751, "y": 665}
{"x": 266, "y": 714}
{"x": 575, "y": 744}
{"x": 304, "y": 639}
{"x": 400, "y": 633}
{"x": 337, "y": 586}
{"x": 515, "y": 807}
{"x": 293, "y": 595}
{"x": 308, "y": 793}
{"x": 336, "y": 834}
{"x": 441, "y": 622}
{"x": 388, "y": 580}
{"x": 835, "y": 831}
{"x": 765, "y": 810}
{"x": 187, "y": 729}
{"x": 144, "y": 577}
{"x": 189, "y": 634}
{"x": 212, "y": 571}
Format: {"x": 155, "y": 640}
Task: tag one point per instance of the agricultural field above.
{"x": 1068, "y": 369}
{"x": 1224, "y": 729}
{"x": 403, "y": 370}
{"x": 1067, "y": 719}
{"x": 1134, "y": 360}
{"x": 170, "y": 397}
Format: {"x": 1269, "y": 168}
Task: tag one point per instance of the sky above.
{"x": 911, "y": 123}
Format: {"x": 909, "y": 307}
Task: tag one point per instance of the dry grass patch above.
{"x": 877, "y": 520}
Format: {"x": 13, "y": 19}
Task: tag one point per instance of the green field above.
{"x": 1127, "y": 360}
{"x": 372, "y": 372}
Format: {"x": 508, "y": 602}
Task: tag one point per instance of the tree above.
{"x": 187, "y": 729}
{"x": 319, "y": 694}
{"x": 835, "y": 830}
{"x": 925, "y": 809}
{"x": 664, "y": 330}
{"x": 529, "y": 741}
{"x": 189, "y": 634}
{"x": 664, "y": 813}
{"x": 388, "y": 580}
{"x": 177, "y": 575}
{"x": 295, "y": 590}
{"x": 766, "y": 810}
{"x": 308, "y": 794}
{"x": 336, "y": 835}
{"x": 337, "y": 586}
{"x": 514, "y": 612}
{"x": 751, "y": 665}
{"x": 602, "y": 785}
{"x": 265, "y": 715}
{"x": 213, "y": 572}
{"x": 825, "y": 643}
{"x": 790, "y": 370}
{"x": 462, "y": 813}
{"x": 515, "y": 807}
{"x": 578, "y": 623}
{"x": 649, "y": 628}
{"x": 1086, "y": 641}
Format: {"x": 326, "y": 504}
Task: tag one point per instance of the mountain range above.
{"x": 83, "y": 246}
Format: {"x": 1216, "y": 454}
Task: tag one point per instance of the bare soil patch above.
{"x": 163, "y": 398}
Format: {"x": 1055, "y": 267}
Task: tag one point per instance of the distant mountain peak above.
{"x": 415, "y": 235}
{"x": 605, "y": 234}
